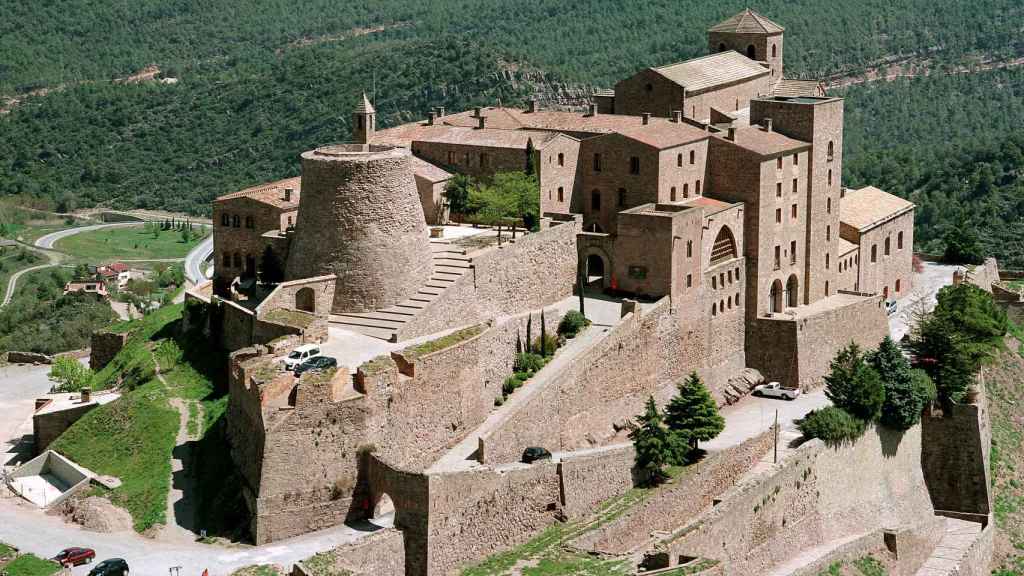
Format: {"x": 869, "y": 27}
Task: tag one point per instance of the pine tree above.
{"x": 906, "y": 393}
{"x": 694, "y": 412}
{"x": 855, "y": 386}
{"x": 519, "y": 344}
{"x": 652, "y": 443}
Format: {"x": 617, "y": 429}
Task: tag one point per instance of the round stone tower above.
{"x": 360, "y": 218}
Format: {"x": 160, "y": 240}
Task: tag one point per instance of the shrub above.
{"x": 832, "y": 424}
{"x": 855, "y": 386}
{"x": 528, "y": 362}
{"x": 510, "y": 385}
{"x": 551, "y": 344}
{"x": 69, "y": 374}
{"x": 572, "y": 323}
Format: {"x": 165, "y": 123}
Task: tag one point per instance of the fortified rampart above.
{"x": 360, "y": 219}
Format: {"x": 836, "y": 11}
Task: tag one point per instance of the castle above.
{"x": 702, "y": 199}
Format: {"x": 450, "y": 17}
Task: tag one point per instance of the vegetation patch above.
{"x": 413, "y": 352}
{"x": 292, "y": 318}
{"x": 143, "y": 242}
{"x": 28, "y": 565}
{"x": 322, "y": 564}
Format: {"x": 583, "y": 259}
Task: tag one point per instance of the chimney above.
{"x": 86, "y": 395}
{"x": 646, "y": 116}
{"x": 767, "y": 124}
{"x": 533, "y": 105}
{"x": 732, "y": 133}
{"x": 677, "y": 116}
{"x": 440, "y": 111}
{"x": 592, "y": 109}
{"x": 476, "y": 112}
{"x": 287, "y": 194}
{"x": 480, "y": 121}
{"x": 430, "y": 118}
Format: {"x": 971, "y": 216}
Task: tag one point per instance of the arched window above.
{"x": 305, "y": 300}
{"x": 561, "y": 159}
{"x": 595, "y": 272}
{"x": 828, "y": 232}
{"x": 775, "y": 297}
{"x": 831, "y": 150}
{"x": 828, "y": 205}
{"x": 829, "y": 176}
{"x": 714, "y": 309}
{"x": 792, "y": 292}
{"x": 561, "y": 194}
{"x": 595, "y": 200}
{"x": 897, "y": 285}
{"x": 887, "y": 245}
{"x": 775, "y": 50}
{"x": 649, "y": 87}
{"x": 751, "y": 52}
{"x": 622, "y": 197}
{"x": 826, "y": 287}
{"x": 696, "y": 188}
{"x": 689, "y": 248}
{"x": 828, "y": 260}
{"x": 693, "y": 156}
{"x": 225, "y": 220}
{"x": 236, "y": 221}
{"x": 686, "y": 190}
{"x": 679, "y": 160}
{"x": 724, "y": 247}
{"x": 874, "y": 253}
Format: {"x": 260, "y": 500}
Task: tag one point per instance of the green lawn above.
{"x": 25, "y": 564}
{"x": 128, "y": 243}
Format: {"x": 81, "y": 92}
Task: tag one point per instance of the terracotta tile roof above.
{"x": 757, "y": 139}
{"x": 118, "y": 267}
{"x": 403, "y": 134}
{"x": 747, "y": 22}
{"x": 868, "y": 207}
{"x": 663, "y": 135}
{"x": 794, "y": 87}
{"x": 487, "y": 137}
{"x": 706, "y": 72}
{"x": 428, "y": 171}
{"x": 271, "y": 193}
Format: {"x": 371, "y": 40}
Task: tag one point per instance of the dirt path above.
{"x": 180, "y": 524}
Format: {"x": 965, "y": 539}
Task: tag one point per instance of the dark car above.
{"x": 74, "y": 556}
{"x": 110, "y": 567}
{"x": 316, "y": 364}
{"x": 535, "y": 453}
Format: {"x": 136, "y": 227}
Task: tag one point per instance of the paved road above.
{"x": 50, "y": 239}
{"x": 921, "y": 298}
{"x": 19, "y": 387}
{"x": 13, "y": 281}
{"x": 195, "y": 259}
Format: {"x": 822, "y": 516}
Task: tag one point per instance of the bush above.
{"x": 69, "y": 374}
{"x": 855, "y": 386}
{"x": 528, "y": 362}
{"x": 907, "y": 391}
{"x": 551, "y": 344}
{"x": 511, "y": 384}
{"x": 832, "y": 425}
{"x": 572, "y": 323}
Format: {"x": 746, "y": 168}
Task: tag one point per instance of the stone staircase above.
{"x": 948, "y": 556}
{"x": 449, "y": 264}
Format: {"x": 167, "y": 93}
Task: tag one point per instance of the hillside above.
{"x": 1003, "y": 382}
{"x": 169, "y": 104}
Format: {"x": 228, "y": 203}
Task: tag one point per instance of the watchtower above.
{"x": 364, "y": 122}
{"x": 753, "y": 35}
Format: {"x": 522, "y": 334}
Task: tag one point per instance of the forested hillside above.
{"x": 256, "y": 82}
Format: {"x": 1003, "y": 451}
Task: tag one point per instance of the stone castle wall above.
{"x": 815, "y": 496}
{"x": 360, "y": 219}
{"x": 104, "y": 346}
{"x": 955, "y": 459}
{"x": 505, "y": 281}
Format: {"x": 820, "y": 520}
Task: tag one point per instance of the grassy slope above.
{"x": 126, "y": 243}
{"x": 27, "y": 565}
{"x": 132, "y": 438}
{"x": 1004, "y": 380}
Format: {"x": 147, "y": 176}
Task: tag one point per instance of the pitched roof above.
{"x": 845, "y": 247}
{"x": 271, "y": 193}
{"x": 428, "y": 171}
{"x": 663, "y": 135}
{"x": 758, "y": 140}
{"x": 794, "y": 87}
{"x": 488, "y": 137}
{"x": 747, "y": 22}
{"x": 365, "y": 107}
{"x": 710, "y": 71}
{"x": 868, "y": 207}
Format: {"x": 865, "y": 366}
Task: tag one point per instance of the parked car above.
{"x": 316, "y": 364}
{"x": 535, "y": 453}
{"x": 891, "y": 307}
{"x": 110, "y": 567}
{"x": 776, "y": 390}
{"x": 300, "y": 355}
{"x": 75, "y": 556}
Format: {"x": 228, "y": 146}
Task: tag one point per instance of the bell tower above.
{"x": 752, "y": 35}
{"x": 364, "y": 122}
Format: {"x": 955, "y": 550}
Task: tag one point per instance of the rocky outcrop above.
{"x": 15, "y": 357}
{"x": 741, "y": 385}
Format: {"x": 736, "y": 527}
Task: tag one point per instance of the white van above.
{"x": 300, "y": 355}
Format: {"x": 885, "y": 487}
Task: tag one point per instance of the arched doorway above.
{"x": 775, "y": 297}
{"x": 752, "y": 52}
{"x": 383, "y": 513}
{"x": 595, "y": 272}
{"x": 792, "y": 292}
{"x": 305, "y": 300}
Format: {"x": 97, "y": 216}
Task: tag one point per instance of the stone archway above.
{"x": 724, "y": 248}
{"x": 775, "y": 297}
{"x": 383, "y": 512}
{"x": 596, "y": 270}
{"x": 751, "y": 52}
{"x": 305, "y": 300}
{"x": 792, "y": 292}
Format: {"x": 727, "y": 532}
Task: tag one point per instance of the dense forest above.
{"x": 257, "y": 82}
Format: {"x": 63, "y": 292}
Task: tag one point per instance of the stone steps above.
{"x": 949, "y": 553}
{"x": 450, "y": 264}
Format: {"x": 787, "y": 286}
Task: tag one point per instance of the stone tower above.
{"x": 364, "y": 122}
{"x": 751, "y": 34}
{"x": 360, "y": 218}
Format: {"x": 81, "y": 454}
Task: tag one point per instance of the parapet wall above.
{"x": 505, "y": 281}
{"x": 955, "y": 459}
{"x": 816, "y": 496}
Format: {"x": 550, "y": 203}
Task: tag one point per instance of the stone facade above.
{"x": 104, "y": 346}
{"x": 360, "y": 219}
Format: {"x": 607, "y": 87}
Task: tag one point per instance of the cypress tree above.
{"x": 543, "y": 335}
{"x": 652, "y": 443}
{"x": 529, "y": 333}
{"x": 694, "y": 412}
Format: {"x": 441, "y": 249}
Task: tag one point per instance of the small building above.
{"x": 55, "y": 413}
{"x": 117, "y": 274}
{"x": 97, "y": 287}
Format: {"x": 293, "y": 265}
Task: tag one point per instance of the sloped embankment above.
{"x": 1004, "y": 381}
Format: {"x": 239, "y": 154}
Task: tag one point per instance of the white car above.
{"x": 891, "y": 307}
{"x": 775, "y": 390}
{"x": 300, "y": 355}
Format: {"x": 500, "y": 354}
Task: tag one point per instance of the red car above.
{"x": 74, "y": 556}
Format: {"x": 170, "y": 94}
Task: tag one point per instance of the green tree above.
{"x": 694, "y": 411}
{"x": 962, "y": 246}
{"x": 457, "y": 194}
{"x": 945, "y": 354}
{"x": 976, "y": 315}
{"x": 652, "y": 442}
{"x": 831, "y": 424}
{"x": 69, "y": 374}
{"x": 855, "y": 386}
{"x": 907, "y": 391}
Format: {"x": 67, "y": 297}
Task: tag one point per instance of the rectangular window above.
{"x": 697, "y": 188}
{"x": 622, "y": 197}
{"x": 794, "y": 185}
{"x": 792, "y": 211}
{"x": 693, "y": 157}
{"x": 778, "y": 163}
{"x": 778, "y": 190}
{"x": 778, "y": 215}
{"x": 828, "y": 233}
{"x": 778, "y": 257}
{"x": 595, "y": 201}
{"x": 828, "y": 205}
{"x": 796, "y": 159}
{"x": 597, "y": 162}
{"x": 634, "y": 165}
{"x": 689, "y": 280}
{"x": 561, "y": 197}
{"x": 792, "y": 252}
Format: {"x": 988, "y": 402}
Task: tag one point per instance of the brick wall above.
{"x": 726, "y": 99}
{"x": 472, "y": 159}
{"x": 633, "y": 97}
